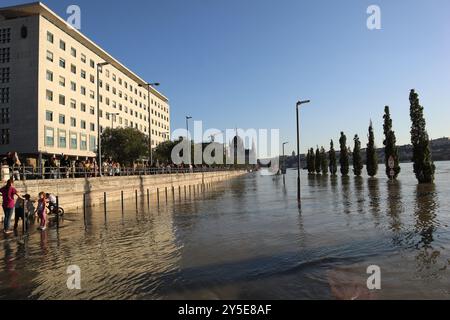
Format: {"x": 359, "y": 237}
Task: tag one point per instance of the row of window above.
{"x": 4, "y": 75}
{"x": 5, "y": 35}
{"x": 4, "y": 138}
{"x": 4, "y": 95}
{"x": 74, "y": 140}
{"x": 5, "y": 55}
{"x": 4, "y": 116}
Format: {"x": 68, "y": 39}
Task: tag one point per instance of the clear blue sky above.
{"x": 245, "y": 63}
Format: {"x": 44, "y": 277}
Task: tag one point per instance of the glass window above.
{"x": 62, "y": 45}
{"x": 92, "y": 143}
{"x": 49, "y": 37}
{"x": 62, "y": 81}
{"x": 49, "y": 95}
{"x": 73, "y": 86}
{"x": 92, "y": 63}
{"x": 73, "y": 122}
{"x": 83, "y": 91}
{"x": 49, "y": 75}
{"x": 83, "y": 58}
{"x": 73, "y": 69}
{"x": 83, "y": 142}
{"x": 49, "y": 137}
{"x": 83, "y": 107}
{"x": 62, "y": 63}
{"x": 92, "y": 126}
{"x": 73, "y": 104}
{"x": 73, "y": 52}
{"x": 49, "y": 116}
{"x": 73, "y": 140}
{"x": 62, "y": 139}
{"x": 62, "y": 100}
{"x": 92, "y": 78}
{"x": 83, "y": 74}
{"x": 62, "y": 119}
{"x": 91, "y": 110}
{"x": 83, "y": 124}
{"x": 50, "y": 56}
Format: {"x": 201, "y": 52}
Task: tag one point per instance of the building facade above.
{"x": 48, "y": 88}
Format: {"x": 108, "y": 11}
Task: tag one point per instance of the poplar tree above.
{"x": 312, "y": 161}
{"x": 343, "y": 157}
{"x": 318, "y": 161}
{"x": 424, "y": 167}
{"x": 332, "y": 157}
{"x": 357, "y": 160}
{"x": 371, "y": 154}
{"x": 323, "y": 161}
{"x": 390, "y": 148}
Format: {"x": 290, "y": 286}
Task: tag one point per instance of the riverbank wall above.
{"x": 71, "y": 192}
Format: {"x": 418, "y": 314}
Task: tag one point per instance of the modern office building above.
{"x": 48, "y": 88}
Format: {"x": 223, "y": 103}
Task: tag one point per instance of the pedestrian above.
{"x": 64, "y": 166}
{"x": 30, "y": 210}
{"x": 42, "y": 211}
{"x": 19, "y": 212}
{"x": 8, "y": 193}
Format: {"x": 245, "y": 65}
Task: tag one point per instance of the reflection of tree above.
{"x": 374, "y": 198}
{"x": 394, "y": 205}
{"x": 346, "y": 194}
{"x": 359, "y": 192}
{"x": 425, "y": 226}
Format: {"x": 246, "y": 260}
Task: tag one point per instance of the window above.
{"x": 5, "y": 137}
{"x": 101, "y": 113}
{"x": 83, "y": 91}
{"x": 49, "y": 95}
{"x": 49, "y": 37}
{"x": 49, "y": 116}
{"x": 73, "y": 86}
{"x": 62, "y": 100}
{"x": 4, "y": 75}
{"x": 5, "y": 35}
{"x": 50, "y": 56}
{"x": 92, "y": 126}
{"x": 4, "y": 55}
{"x": 107, "y": 73}
{"x": 73, "y": 141}
{"x": 62, "y": 45}
{"x": 120, "y": 81}
{"x": 73, "y": 122}
{"x": 83, "y": 124}
{"x": 83, "y": 74}
{"x": 83, "y": 142}
{"x": 83, "y": 107}
{"x": 73, "y": 69}
{"x": 62, "y": 138}
{"x": 83, "y": 58}
{"x": 114, "y": 77}
{"x": 62, "y": 119}
{"x": 92, "y": 63}
{"x": 92, "y": 94}
{"x": 73, "y": 52}
{"x": 62, "y": 81}
{"x": 49, "y": 75}
{"x": 49, "y": 137}
{"x": 62, "y": 63}
{"x": 4, "y": 116}
{"x": 92, "y": 110}
{"x": 92, "y": 78}
{"x": 92, "y": 144}
{"x": 73, "y": 104}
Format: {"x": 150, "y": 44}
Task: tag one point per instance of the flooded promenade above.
{"x": 246, "y": 239}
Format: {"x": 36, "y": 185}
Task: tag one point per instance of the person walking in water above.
{"x": 8, "y": 193}
{"x": 42, "y": 211}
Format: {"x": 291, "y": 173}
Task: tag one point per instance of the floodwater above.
{"x": 247, "y": 239}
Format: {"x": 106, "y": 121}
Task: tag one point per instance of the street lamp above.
{"x": 99, "y": 141}
{"x": 150, "y": 147}
{"x": 284, "y": 164}
{"x": 299, "y": 103}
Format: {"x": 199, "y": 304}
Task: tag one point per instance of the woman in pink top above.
{"x": 8, "y": 192}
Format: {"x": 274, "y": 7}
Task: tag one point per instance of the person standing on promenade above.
{"x": 42, "y": 211}
{"x": 8, "y": 193}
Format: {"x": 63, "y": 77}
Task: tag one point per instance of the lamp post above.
{"x": 187, "y": 137}
{"x": 299, "y": 103}
{"x": 99, "y": 141}
{"x": 150, "y": 147}
{"x": 284, "y": 164}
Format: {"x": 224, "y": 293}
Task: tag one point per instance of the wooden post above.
{"x": 84, "y": 210}
{"x": 166, "y": 194}
{"x": 121, "y": 201}
{"x": 148, "y": 198}
{"x": 173, "y": 193}
{"x": 57, "y": 212}
{"x": 136, "y": 198}
{"x": 157, "y": 195}
{"x": 104, "y": 204}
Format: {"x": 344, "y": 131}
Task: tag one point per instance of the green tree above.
{"x": 323, "y": 161}
{"x": 125, "y": 145}
{"x": 424, "y": 167}
{"x": 163, "y": 152}
{"x": 312, "y": 161}
{"x": 318, "y": 161}
{"x": 390, "y": 147}
{"x": 357, "y": 159}
{"x": 371, "y": 154}
{"x": 332, "y": 156}
{"x": 343, "y": 156}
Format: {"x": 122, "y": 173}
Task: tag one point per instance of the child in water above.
{"x": 42, "y": 211}
{"x": 29, "y": 208}
{"x": 19, "y": 212}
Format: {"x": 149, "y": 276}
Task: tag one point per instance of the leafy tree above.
{"x": 343, "y": 157}
{"x": 332, "y": 156}
{"x": 390, "y": 148}
{"x": 323, "y": 161}
{"x": 125, "y": 145}
{"x": 424, "y": 167}
{"x": 357, "y": 159}
{"x": 318, "y": 161}
{"x": 163, "y": 152}
{"x": 371, "y": 154}
{"x": 312, "y": 161}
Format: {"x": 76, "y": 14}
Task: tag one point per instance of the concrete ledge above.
{"x": 70, "y": 191}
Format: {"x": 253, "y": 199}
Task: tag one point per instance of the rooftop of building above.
{"x": 38, "y": 8}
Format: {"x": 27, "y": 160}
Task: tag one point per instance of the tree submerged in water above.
{"x": 318, "y": 162}
{"x": 332, "y": 158}
{"x": 343, "y": 157}
{"x": 390, "y": 147}
{"x": 357, "y": 159}
{"x": 424, "y": 167}
{"x": 311, "y": 161}
{"x": 323, "y": 161}
{"x": 371, "y": 154}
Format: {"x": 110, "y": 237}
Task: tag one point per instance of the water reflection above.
{"x": 359, "y": 193}
{"x": 395, "y": 207}
{"x": 373, "y": 186}
{"x": 346, "y": 197}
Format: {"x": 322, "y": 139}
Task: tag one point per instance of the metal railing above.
{"x": 32, "y": 173}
